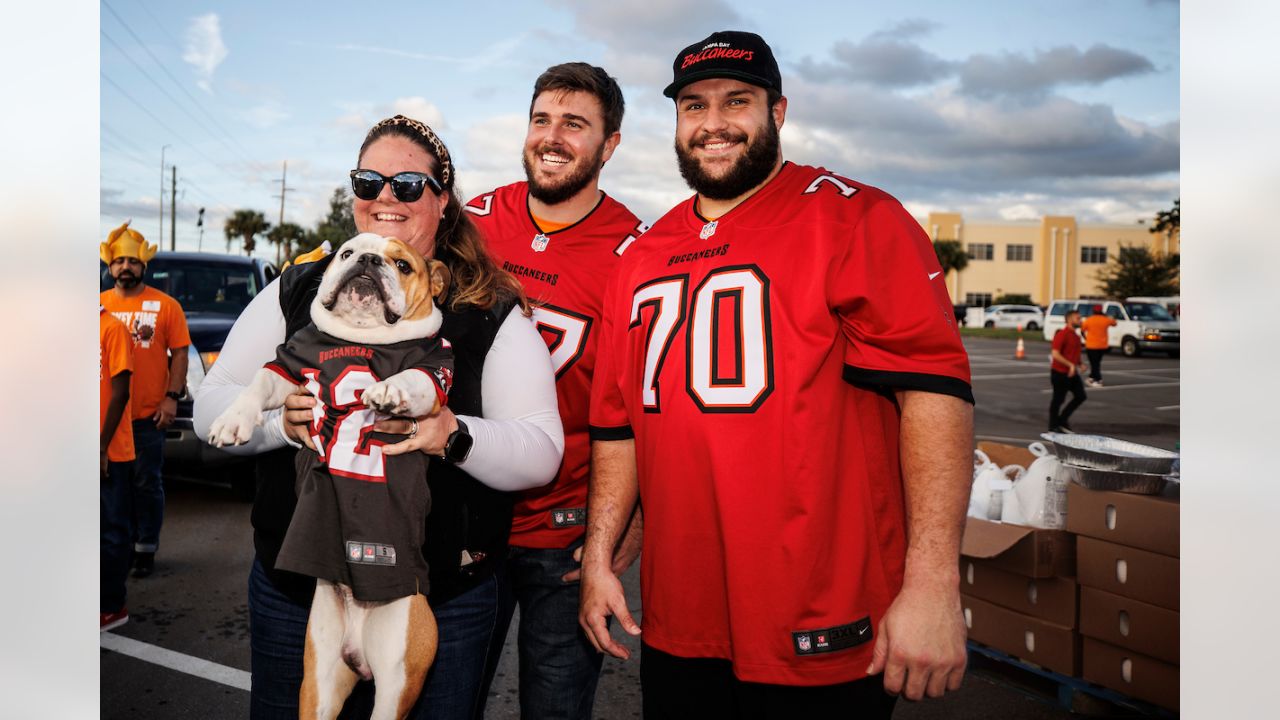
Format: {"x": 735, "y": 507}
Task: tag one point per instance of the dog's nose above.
{"x": 373, "y": 259}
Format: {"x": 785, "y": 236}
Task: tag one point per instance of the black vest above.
{"x": 465, "y": 514}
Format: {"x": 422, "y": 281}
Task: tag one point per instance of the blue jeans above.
{"x": 148, "y": 485}
{"x": 559, "y": 668}
{"x": 115, "y": 515}
{"x": 277, "y": 637}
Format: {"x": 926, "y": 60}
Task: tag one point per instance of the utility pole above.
{"x": 200, "y": 224}
{"x": 283, "y": 241}
{"x": 160, "y": 234}
{"x": 173, "y": 210}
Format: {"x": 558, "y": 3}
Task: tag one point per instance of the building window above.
{"x": 977, "y": 299}
{"x": 1018, "y": 253}
{"x": 1093, "y": 255}
{"x": 981, "y": 251}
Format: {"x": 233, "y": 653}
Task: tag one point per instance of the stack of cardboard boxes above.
{"x": 1098, "y": 600}
{"x": 1018, "y": 586}
{"x": 1127, "y": 561}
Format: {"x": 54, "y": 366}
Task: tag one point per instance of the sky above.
{"x": 1005, "y": 110}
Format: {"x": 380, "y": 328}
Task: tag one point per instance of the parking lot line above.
{"x": 1169, "y": 407}
{"x": 1008, "y": 376}
{"x": 156, "y": 655}
{"x": 1131, "y": 386}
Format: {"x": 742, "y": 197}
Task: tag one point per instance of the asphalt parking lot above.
{"x": 185, "y": 653}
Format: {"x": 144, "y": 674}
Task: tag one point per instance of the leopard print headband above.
{"x": 421, "y": 130}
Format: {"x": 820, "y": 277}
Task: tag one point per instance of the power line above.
{"x": 172, "y": 99}
{"x": 165, "y": 68}
{"x": 159, "y": 122}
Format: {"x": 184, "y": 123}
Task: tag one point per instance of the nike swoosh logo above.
{"x": 933, "y": 275}
{"x": 864, "y": 630}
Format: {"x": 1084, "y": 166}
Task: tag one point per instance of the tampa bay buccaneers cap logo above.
{"x": 726, "y": 54}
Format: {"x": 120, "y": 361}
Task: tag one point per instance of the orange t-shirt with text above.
{"x": 157, "y": 325}
{"x": 1095, "y": 331}
{"x": 115, "y": 355}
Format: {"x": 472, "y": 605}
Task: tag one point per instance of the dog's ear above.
{"x": 440, "y": 278}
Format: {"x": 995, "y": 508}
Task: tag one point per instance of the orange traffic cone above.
{"x": 1020, "y": 352}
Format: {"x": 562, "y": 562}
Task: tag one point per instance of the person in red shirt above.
{"x": 1064, "y": 373}
{"x": 115, "y": 452}
{"x": 562, "y": 237}
{"x": 1096, "y": 342}
{"x": 781, "y": 381}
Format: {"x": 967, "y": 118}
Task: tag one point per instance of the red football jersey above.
{"x": 565, "y": 271}
{"x": 753, "y": 360}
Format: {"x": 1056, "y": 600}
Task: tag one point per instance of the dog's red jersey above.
{"x": 753, "y": 359}
{"x": 566, "y": 270}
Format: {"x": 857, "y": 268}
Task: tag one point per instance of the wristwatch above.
{"x": 173, "y": 394}
{"x": 458, "y": 446}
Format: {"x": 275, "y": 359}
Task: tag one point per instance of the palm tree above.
{"x": 1168, "y": 223}
{"x": 283, "y": 236}
{"x": 245, "y": 224}
{"x": 951, "y": 255}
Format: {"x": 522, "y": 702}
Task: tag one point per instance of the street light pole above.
{"x": 160, "y": 235}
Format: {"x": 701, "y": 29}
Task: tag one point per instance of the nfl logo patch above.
{"x": 804, "y": 643}
{"x": 353, "y": 549}
{"x": 708, "y": 230}
{"x": 540, "y": 242}
{"x": 559, "y": 517}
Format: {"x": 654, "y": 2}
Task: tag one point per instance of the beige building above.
{"x": 1050, "y": 259}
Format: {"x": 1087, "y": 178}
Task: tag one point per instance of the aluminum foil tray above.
{"x": 1126, "y": 482}
{"x": 1103, "y": 453}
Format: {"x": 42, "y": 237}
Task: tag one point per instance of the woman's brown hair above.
{"x": 476, "y": 278}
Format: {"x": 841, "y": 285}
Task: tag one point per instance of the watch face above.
{"x": 459, "y": 446}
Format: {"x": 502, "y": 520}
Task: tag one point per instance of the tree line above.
{"x": 289, "y": 238}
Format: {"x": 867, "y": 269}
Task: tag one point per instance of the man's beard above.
{"x": 568, "y": 186}
{"x": 747, "y": 172}
{"x": 127, "y": 281}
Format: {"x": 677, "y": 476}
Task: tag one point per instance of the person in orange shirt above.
{"x": 160, "y": 341}
{"x": 115, "y": 453}
{"x": 1096, "y": 343}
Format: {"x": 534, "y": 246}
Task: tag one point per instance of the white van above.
{"x": 1140, "y": 326}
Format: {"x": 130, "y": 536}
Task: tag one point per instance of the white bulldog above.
{"x": 376, "y": 291}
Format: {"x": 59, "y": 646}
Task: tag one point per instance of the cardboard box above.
{"x": 1131, "y": 673}
{"x": 1026, "y": 551}
{"x": 1052, "y": 599}
{"x": 1030, "y": 639}
{"x": 1130, "y": 624}
{"x": 1002, "y": 454}
{"x": 1128, "y": 572}
{"x": 1147, "y": 522}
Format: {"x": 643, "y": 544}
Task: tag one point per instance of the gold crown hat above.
{"x": 124, "y": 241}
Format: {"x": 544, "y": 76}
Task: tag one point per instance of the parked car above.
{"x": 1140, "y": 326}
{"x": 213, "y": 290}
{"x": 1027, "y": 317}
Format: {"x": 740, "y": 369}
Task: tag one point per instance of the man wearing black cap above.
{"x": 781, "y": 381}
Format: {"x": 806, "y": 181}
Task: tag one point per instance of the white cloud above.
{"x": 266, "y": 115}
{"x": 204, "y": 49}
{"x": 419, "y": 109}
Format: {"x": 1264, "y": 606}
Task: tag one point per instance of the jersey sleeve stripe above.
{"x": 886, "y": 379}
{"x": 282, "y": 372}
{"x": 623, "y": 432}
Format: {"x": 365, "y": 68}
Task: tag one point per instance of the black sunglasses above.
{"x": 406, "y": 186}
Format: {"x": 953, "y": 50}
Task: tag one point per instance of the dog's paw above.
{"x": 235, "y": 426}
{"x": 386, "y": 397}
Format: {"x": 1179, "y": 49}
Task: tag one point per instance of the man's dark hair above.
{"x": 568, "y": 77}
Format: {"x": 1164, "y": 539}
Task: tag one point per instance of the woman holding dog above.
{"x": 506, "y": 435}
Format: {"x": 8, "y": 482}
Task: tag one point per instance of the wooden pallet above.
{"x": 1070, "y": 693}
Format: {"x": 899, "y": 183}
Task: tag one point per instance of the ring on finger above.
{"x": 413, "y": 429}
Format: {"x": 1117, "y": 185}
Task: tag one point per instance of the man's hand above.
{"x": 626, "y": 552}
{"x": 297, "y": 416}
{"x": 165, "y": 413}
{"x": 601, "y": 596}
{"x": 920, "y": 642}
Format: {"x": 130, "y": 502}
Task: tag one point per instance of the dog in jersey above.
{"x": 372, "y": 350}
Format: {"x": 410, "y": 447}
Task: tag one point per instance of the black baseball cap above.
{"x": 726, "y": 54}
